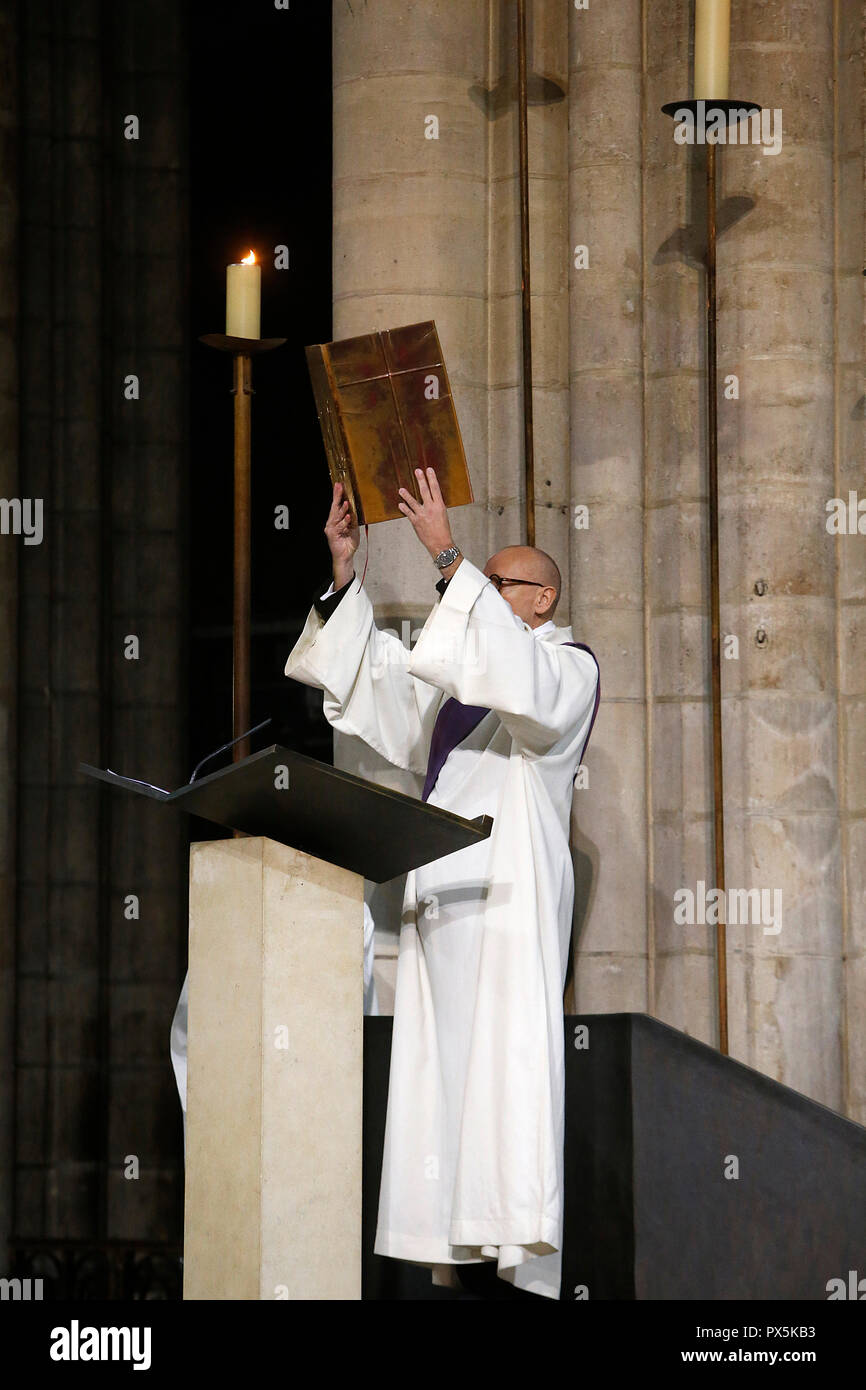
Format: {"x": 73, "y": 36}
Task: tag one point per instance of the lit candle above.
{"x": 244, "y": 298}
{"x": 712, "y": 45}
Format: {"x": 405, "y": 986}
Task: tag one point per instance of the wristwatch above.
{"x": 447, "y": 557}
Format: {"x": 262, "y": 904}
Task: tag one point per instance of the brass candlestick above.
{"x": 243, "y": 350}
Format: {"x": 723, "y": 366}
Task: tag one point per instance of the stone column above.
{"x": 605, "y": 231}
{"x": 9, "y": 558}
{"x": 58, "y": 1044}
{"x": 411, "y": 232}
{"x": 778, "y": 564}
{"x": 850, "y": 475}
{"x": 679, "y": 847}
{"x": 103, "y": 296}
{"x": 145, "y": 459}
{"x": 779, "y": 590}
{"x": 547, "y": 125}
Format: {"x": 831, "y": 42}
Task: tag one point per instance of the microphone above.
{"x": 230, "y": 744}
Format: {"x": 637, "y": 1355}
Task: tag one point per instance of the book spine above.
{"x": 329, "y": 410}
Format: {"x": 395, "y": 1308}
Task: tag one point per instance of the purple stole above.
{"x": 455, "y": 721}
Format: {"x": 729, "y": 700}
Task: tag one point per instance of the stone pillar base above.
{"x": 273, "y": 1163}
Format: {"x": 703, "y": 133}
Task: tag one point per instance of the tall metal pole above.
{"x": 528, "y": 446}
{"x": 715, "y": 623}
{"x": 243, "y": 350}
{"x": 242, "y": 391}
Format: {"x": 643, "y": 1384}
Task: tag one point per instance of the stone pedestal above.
{"x": 273, "y": 1168}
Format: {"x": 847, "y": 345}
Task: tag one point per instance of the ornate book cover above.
{"x": 385, "y": 408}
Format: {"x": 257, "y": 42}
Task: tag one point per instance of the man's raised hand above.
{"x": 343, "y": 534}
{"x": 429, "y": 517}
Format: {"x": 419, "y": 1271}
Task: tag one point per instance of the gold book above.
{"x": 385, "y": 408}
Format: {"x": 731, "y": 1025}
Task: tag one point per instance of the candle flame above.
{"x": 250, "y": 259}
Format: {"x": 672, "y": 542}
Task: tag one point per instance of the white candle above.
{"x": 244, "y": 298}
{"x": 712, "y": 49}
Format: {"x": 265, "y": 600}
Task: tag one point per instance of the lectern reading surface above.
{"x": 321, "y": 810}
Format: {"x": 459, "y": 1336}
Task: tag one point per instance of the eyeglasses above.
{"x": 499, "y": 580}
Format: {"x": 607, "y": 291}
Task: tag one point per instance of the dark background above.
{"x": 260, "y": 176}
{"x": 118, "y": 249}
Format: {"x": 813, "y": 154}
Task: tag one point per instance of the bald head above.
{"x": 535, "y": 603}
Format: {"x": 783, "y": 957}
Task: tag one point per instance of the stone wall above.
{"x": 429, "y": 228}
{"x": 9, "y": 554}
{"x": 103, "y": 295}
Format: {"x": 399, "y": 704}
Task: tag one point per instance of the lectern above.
{"x": 275, "y": 1024}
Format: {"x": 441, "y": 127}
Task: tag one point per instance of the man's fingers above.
{"x": 339, "y": 509}
{"x": 433, "y": 484}
{"x": 423, "y": 486}
{"x": 407, "y": 497}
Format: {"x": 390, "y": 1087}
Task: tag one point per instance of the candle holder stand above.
{"x": 243, "y": 350}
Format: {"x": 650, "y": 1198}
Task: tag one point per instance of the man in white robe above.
{"x": 473, "y": 1157}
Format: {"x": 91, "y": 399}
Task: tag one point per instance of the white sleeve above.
{"x": 178, "y": 1049}
{"x": 371, "y": 1001}
{"x": 476, "y": 648}
{"x": 369, "y": 690}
